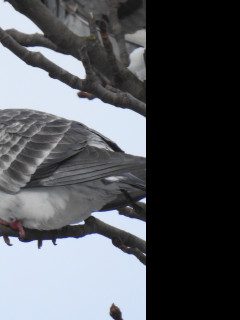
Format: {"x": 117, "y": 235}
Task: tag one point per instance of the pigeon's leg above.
{"x": 15, "y": 225}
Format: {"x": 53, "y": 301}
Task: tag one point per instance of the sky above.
{"x": 78, "y": 278}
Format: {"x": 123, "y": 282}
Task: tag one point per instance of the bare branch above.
{"x": 120, "y": 99}
{"x": 51, "y": 26}
{"x": 117, "y": 30}
{"x": 36, "y": 59}
{"x": 92, "y": 25}
{"x": 91, "y": 84}
{"x": 138, "y": 212}
{"x": 114, "y": 96}
{"x": 68, "y": 41}
{"x": 134, "y": 251}
{"x": 108, "y": 47}
{"x": 127, "y": 242}
{"x": 34, "y": 40}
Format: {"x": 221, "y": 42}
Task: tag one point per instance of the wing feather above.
{"x": 38, "y": 149}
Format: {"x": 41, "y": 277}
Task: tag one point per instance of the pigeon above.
{"x": 56, "y": 172}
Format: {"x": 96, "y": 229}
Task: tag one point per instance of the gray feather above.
{"x": 43, "y": 150}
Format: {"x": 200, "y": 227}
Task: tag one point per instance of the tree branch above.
{"x": 134, "y": 251}
{"x": 34, "y": 40}
{"x": 117, "y": 31}
{"x": 63, "y": 38}
{"x": 108, "y": 47}
{"x": 127, "y": 242}
{"x": 138, "y": 212}
{"x": 36, "y": 59}
{"x": 108, "y": 94}
{"x": 91, "y": 84}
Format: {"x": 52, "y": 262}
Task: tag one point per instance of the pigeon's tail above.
{"x": 132, "y": 186}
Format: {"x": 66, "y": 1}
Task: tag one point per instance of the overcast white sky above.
{"x": 77, "y": 279}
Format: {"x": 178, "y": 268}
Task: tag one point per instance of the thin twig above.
{"x": 108, "y": 47}
{"x": 134, "y": 251}
{"x": 34, "y": 40}
{"x": 36, "y": 59}
{"x": 139, "y": 212}
{"x": 117, "y": 31}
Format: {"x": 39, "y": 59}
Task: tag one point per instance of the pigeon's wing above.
{"x": 38, "y": 149}
{"x": 30, "y": 140}
{"x": 89, "y": 164}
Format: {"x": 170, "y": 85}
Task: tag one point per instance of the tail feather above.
{"x": 133, "y": 186}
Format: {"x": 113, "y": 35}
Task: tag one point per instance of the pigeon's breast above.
{"x": 34, "y": 208}
{"x": 54, "y": 207}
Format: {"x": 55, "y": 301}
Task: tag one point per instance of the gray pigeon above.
{"x": 55, "y": 172}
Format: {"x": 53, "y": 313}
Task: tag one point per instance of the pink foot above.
{"x": 15, "y": 225}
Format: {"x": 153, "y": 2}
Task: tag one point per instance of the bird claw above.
{"x": 54, "y": 242}
{"x": 7, "y": 240}
{"x": 18, "y": 225}
{"x": 40, "y": 243}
